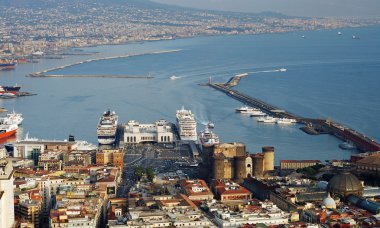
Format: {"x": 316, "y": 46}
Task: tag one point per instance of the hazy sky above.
{"x": 362, "y": 8}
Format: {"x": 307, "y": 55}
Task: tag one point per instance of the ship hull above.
{"x": 106, "y": 141}
{"x": 7, "y": 134}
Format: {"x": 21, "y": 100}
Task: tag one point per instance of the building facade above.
{"x": 159, "y": 132}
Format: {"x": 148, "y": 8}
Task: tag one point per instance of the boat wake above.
{"x": 268, "y": 71}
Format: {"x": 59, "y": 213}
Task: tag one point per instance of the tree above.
{"x": 150, "y": 173}
{"x": 139, "y": 171}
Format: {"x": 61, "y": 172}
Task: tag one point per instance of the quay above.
{"x": 361, "y": 141}
{"x": 44, "y": 73}
{"x": 254, "y": 102}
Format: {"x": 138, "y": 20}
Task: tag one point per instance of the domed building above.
{"x": 345, "y": 184}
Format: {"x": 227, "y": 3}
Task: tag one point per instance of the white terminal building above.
{"x": 159, "y": 132}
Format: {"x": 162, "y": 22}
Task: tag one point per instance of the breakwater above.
{"x": 45, "y": 74}
{"x": 360, "y": 140}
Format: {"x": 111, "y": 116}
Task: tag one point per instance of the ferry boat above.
{"x": 107, "y": 128}
{"x": 7, "y": 130}
{"x": 187, "y": 127}
{"x": 267, "y": 119}
{"x": 247, "y": 110}
{"x": 208, "y": 138}
{"x": 257, "y": 113}
{"x": 173, "y": 77}
{"x": 13, "y": 118}
{"x": 286, "y": 121}
{"x": 210, "y": 125}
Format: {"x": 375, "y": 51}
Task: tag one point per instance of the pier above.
{"x": 44, "y": 73}
{"x": 254, "y": 102}
{"x": 315, "y": 126}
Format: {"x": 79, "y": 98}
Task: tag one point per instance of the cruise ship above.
{"x": 107, "y": 128}
{"x": 207, "y": 138}
{"x": 187, "y": 127}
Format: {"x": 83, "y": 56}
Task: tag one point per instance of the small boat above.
{"x": 14, "y": 118}
{"x": 173, "y": 77}
{"x": 283, "y": 70}
{"x": 246, "y": 110}
{"x": 210, "y": 125}
{"x": 339, "y": 33}
{"x": 7, "y": 95}
{"x": 355, "y": 37}
{"x": 257, "y": 113}
{"x": 241, "y": 75}
{"x": 267, "y": 119}
{"x": 347, "y": 146}
{"x": 303, "y": 36}
{"x": 286, "y": 121}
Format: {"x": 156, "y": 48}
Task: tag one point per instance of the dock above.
{"x": 312, "y": 126}
{"x": 254, "y": 102}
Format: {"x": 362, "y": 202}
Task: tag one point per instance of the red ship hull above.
{"x": 7, "y": 134}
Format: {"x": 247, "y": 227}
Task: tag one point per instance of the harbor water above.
{"x": 328, "y": 76}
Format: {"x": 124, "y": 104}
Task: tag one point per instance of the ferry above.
{"x": 267, "y": 119}
{"x": 208, "y": 138}
{"x": 13, "y": 118}
{"x": 187, "y": 127}
{"x": 241, "y": 75}
{"x": 286, "y": 121}
{"x": 210, "y": 125}
{"x": 246, "y": 110}
{"x": 257, "y": 113}
{"x": 173, "y": 77}
{"x": 107, "y": 128}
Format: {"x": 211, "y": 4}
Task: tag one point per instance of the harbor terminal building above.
{"x": 159, "y": 132}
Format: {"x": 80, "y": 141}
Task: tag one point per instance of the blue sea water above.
{"x": 328, "y": 76}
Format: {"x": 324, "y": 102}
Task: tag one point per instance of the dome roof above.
{"x": 345, "y": 183}
{"x": 329, "y": 202}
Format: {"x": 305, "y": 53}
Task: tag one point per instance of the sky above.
{"x": 340, "y": 8}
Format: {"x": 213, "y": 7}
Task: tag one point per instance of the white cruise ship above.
{"x": 187, "y": 127}
{"x": 207, "y": 138}
{"x": 107, "y": 128}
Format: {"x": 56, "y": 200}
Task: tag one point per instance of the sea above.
{"x": 328, "y": 76}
